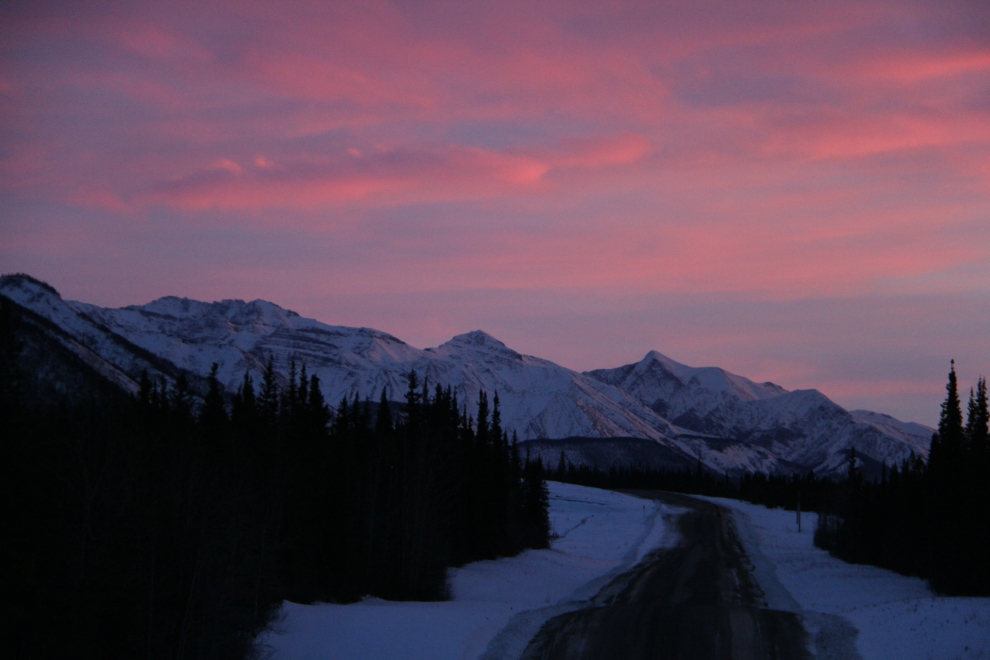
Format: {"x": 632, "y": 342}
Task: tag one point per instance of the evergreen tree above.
{"x": 12, "y": 377}
{"x": 318, "y": 412}
{"x": 483, "y": 422}
{"x": 291, "y": 398}
{"x": 383, "y": 418}
{"x": 244, "y": 407}
{"x": 268, "y": 398}
{"x": 852, "y": 474}
{"x": 947, "y": 443}
{"x": 302, "y": 392}
{"x": 977, "y": 422}
{"x": 496, "y": 427}
{"x": 413, "y": 399}
{"x": 946, "y": 516}
{"x": 145, "y": 387}
{"x": 181, "y": 399}
{"x": 213, "y": 414}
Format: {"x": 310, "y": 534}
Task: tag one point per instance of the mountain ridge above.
{"x": 728, "y": 421}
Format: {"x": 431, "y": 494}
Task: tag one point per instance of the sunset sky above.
{"x": 795, "y": 191}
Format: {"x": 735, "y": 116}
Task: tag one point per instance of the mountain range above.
{"x": 656, "y": 411}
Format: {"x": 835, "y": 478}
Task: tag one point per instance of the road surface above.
{"x": 696, "y": 601}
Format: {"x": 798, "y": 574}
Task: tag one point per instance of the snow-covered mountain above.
{"x": 803, "y": 427}
{"x": 538, "y": 398}
{"x": 728, "y": 421}
{"x": 106, "y": 353}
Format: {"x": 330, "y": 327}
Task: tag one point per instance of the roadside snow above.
{"x": 892, "y": 617}
{"x": 497, "y": 606}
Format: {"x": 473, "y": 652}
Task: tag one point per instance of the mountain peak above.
{"x": 477, "y": 341}
{"x": 681, "y": 371}
{"x": 660, "y": 357}
{"x": 175, "y": 306}
{"x": 26, "y": 282}
{"x": 477, "y": 338}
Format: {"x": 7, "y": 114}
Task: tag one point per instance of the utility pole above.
{"x": 799, "y": 511}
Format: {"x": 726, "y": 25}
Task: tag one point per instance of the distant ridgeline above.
{"x": 929, "y": 519}
{"x": 157, "y": 523}
{"x": 727, "y": 421}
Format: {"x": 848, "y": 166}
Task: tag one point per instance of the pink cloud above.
{"x": 912, "y": 67}
{"x": 101, "y": 198}
{"x": 154, "y": 42}
{"x": 839, "y": 135}
{"x": 587, "y": 153}
{"x": 391, "y": 176}
{"x": 384, "y": 176}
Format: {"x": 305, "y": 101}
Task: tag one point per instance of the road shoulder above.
{"x": 858, "y": 610}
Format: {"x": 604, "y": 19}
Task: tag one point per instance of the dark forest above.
{"x": 168, "y": 525}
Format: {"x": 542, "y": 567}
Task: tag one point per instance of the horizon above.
{"x": 796, "y": 193}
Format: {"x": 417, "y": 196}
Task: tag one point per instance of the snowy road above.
{"x": 496, "y": 606}
{"x": 698, "y": 600}
{"x": 850, "y": 612}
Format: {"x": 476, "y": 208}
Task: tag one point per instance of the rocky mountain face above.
{"x": 803, "y": 427}
{"x": 728, "y": 421}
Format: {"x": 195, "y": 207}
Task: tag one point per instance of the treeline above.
{"x": 775, "y": 491}
{"x": 930, "y": 520}
{"x": 166, "y": 525}
{"x": 397, "y": 502}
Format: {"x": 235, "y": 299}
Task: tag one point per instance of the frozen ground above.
{"x": 877, "y": 613}
{"x": 497, "y": 605}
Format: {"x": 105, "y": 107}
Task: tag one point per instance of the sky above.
{"x": 795, "y": 191}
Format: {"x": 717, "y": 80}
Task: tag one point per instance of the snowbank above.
{"x": 497, "y": 606}
{"x": 892, "y": 617}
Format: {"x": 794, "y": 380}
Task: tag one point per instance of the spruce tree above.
{"x": 946, "y": 455}
{"x": 181, "y": 400}
{"x": 496, "y": 428}
{"x": 213, "y": 415}
{"x": 268, "y": 398}
{"x": 946, "y": 473}
{"x": 290, "y": 397}
{"x": 13, "y": 377}
{"x": 302, "y": 392}
{"x": 977, "y": 422}
{"x": 483, "y": 423}
{"x": 413, "y": 399}
{"x": 244, "y": 409}
{"x": 383, "y": 418}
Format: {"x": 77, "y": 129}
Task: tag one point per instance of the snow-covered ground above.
{"x": 883, "y": 615}
{"x": 497, "y": 606}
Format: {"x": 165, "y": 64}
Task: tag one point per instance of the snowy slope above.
{"x": 802, "y": 427}
{"x": 538, "y": 398}
{"x": 109, "y": 354}
{"x": 912, "y": 432}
